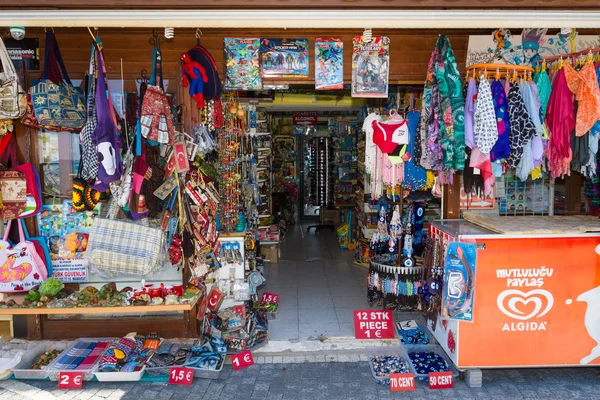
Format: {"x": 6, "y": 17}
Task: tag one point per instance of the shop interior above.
{"x": 256, "y": 190}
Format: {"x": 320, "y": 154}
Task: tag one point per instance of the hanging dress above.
{"x": 485, "y": 126}
{"x": 522, "y": 129}
{"x": 501, "y": 149}
{"x": 370, "y": 146}
{"x": 470, "y": 112}
{"x": 560, "y": 120}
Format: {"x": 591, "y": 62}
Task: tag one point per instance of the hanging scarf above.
{"x": 415, "y": 177}
{"x": 502, "y": 147}
{"x": 584, "y": 85}
{"x": 544, "y": 89}
{"x": 424, "y": 159}
{"x": 470, "y": 112}
{"x": 485, "y": 125}
{"x": 522, "y": 129}
{"x": 537, "y": 147}
{"x": 560, "y": 119}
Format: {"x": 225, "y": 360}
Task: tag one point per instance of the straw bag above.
{"x": 13, "y": 101}
{"x": 21, "y": 267}
{"x": 117, "y": 247}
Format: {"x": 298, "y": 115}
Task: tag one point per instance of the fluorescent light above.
{"x": 331, "y": 19}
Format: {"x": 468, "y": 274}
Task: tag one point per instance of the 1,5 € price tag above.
{"x": 242, "y": 360}
{"x": 270, "y": 298}
{"x": 441, "y": 380}
{"x": 181, "y": 376}
{"x": 402, "y": 382}
{"x": 373, "y": 324}
{"x": 70, "y": 380}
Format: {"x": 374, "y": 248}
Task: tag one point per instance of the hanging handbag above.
{"x": 13, "y": 184}
{"x": 41, "y": 247}
{"x": 117, "y": 247}
{"x": 21, "y": 267}
{"x": 89, "y": 157}
{"x": 57, "y": 103}
{"x": 13, "y": 102}
{"x": 105, "y": 136}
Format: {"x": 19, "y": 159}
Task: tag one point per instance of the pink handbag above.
{"x": 21, "y": 267}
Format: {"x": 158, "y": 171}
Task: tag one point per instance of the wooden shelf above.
{"x": 98, "y": 310}
{"x": 232, "y": 234}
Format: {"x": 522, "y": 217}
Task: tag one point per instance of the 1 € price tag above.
{"x": 70, "y": 380}
{"x": 270, "y": 298}
{"x": 402, "y": 382}
{"x": 242, "y": 360}
{"x": 441, "y": 380}
{"x": 181, "y": 376}
{"x": 373, "y": 324}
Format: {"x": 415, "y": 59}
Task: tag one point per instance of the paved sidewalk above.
{"x": 328, "y": 381}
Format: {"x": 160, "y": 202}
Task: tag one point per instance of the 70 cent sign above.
{"x": 373, "y": 324}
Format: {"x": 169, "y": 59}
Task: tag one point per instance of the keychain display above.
{"x": 459, "y": 281}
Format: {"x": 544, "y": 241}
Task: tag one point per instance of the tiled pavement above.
{"x": 330, "y": 381}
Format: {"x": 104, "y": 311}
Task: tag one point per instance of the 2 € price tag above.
{"x": 441, "y": 380}
{"x": 402, "y": 382}
{"x": 373, "y": 324}
{"x": 70, "y": 380}
{"x": 242, "y": 360}
{"x": 270, "y": 298}
{"x": 181, "y": 376}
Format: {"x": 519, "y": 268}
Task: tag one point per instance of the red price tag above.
{"x": 441, "y": 380}
{"x": 70, "y": 380}
{"x": 270, "y": 298}
{"x": 181, "y": 376}
{"x": 402, "y": 382}
{"x": 373, "y": 324}
{"x": 242, "y": 360}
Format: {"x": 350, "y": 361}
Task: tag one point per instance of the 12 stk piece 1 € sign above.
{"x": 373, "y": 324}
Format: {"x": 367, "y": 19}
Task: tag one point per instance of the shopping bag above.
{"x": 21, "y": 267}
{"x": 41, "y": 247}
{"x": 117, "y": 247}
{"x": 57, "y": 103}
{"x": 30, "y": 120}
{"x": 13, "y": 102}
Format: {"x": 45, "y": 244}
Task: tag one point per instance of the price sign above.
{"x": 402, "y": 382}
{"x": 441, "y": 380}
{"x": 242, "y": 360}
{"x": 270, "y": 298}
{"x": 70, "y": 380}
{"x": 373, "y": 324}
{"x": 181, "y": 376}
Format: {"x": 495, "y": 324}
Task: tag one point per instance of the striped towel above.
{"x": 94, "y": 356}
{"x": 75, "y": 356}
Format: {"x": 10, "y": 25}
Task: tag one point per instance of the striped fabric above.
{"x": 124, "y": 248}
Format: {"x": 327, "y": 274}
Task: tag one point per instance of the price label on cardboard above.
{"x": 441, "y": 380}
{"x": 270, "y": 298}
{"x": 242, "y": 360}
{"x": 402, "y": 382}
{"x": 70, "y": 380}
{"x": 373, "y": 324}
{"x": 181, "y": 376}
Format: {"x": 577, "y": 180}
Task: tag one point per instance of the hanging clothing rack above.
{"x": 574, "y": 55}
{"x": 499, "y": 70}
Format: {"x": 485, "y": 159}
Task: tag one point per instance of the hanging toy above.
{"x": 194, "y": 74}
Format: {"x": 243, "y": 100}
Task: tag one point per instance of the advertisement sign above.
{"x": 27, "y": 50}
{"x": 70, "y": 270}
{"x": 538, "y": 304}
{"x": 459, "y": 281}
{"x": 304, "y": 118}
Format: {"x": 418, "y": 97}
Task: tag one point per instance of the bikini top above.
{"x": 387, "y": 136}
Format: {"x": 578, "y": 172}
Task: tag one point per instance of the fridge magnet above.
{"x": 329, "y": 63}
{"x": 370, "y": 67}
{"x": 284, "y": 58}
{"x": 242, "y": 70}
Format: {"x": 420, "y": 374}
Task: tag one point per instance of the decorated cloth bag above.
{"x": 13, "y": 101}
{"x": 117, "y": 247}
{"x": 21, "y": 267}
{"x": 57, "y": 103}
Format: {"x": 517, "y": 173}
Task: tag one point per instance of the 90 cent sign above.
{"x": 373, "y": 324}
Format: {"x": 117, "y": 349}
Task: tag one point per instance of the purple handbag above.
{"x": 106, "y": 137}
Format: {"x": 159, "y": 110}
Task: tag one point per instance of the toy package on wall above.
{"x": 459, "y": 281}
{"x": 284, "y": 57}
{"x": 370, "y": 67}
{"x": 329, "y": 63}
{"x": 75, "y": 230}
{"x": 49, "y": 222}
{"x": 242, "y": 70}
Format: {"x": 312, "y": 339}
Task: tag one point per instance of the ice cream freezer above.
{"x": 536, "y": 292}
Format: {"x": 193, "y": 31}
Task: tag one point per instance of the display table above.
{"x": 537, "y": 296}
